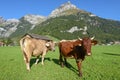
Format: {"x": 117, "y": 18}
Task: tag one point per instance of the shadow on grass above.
{"x": 33, "y": 60}
{"x": 113, "y": 54}
{"x": 69, "y": 66}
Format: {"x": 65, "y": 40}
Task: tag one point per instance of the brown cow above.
{"x": 35, "y": 47}
{"x": 76, "y": 49}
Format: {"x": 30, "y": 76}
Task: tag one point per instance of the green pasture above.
{"x": 104, "y": 64}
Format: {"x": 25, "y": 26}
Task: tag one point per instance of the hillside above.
{"x": 72, "y": 26}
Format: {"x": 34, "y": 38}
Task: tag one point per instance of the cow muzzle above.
{"x": 88, "y": 54}
{"x": 53, "y": 50}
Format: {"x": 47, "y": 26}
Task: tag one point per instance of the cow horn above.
{"x": 92, "y": 37}
{"x": 79, "y": 38}
{"x": 79, "y": 45}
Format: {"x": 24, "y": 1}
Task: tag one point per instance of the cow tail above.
{"x": 22, "y": 41}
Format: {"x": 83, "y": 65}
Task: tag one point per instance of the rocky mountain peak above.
{"x": 67, "y": 6}
{"x": 8, "y": 21}
{"x": 34, "y": 19}
{"x": 2, "y": 20}
{"x": 64, "y": 7}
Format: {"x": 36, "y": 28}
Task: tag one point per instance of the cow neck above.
{"x": 77, "y": 42}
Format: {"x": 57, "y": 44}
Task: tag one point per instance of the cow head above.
{"x": 50, "y": 45}
{"x": 86, "y": 43}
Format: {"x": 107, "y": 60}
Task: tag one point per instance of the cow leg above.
{"x": 43, "y": 56}
{"x": 79, "y": 65}
{"x": 27, "y": 61}
{"x": 37, "y": 60}
{"x": 42, "y": 60}
{"x": 65, "y": 62}
{"x": 28, "y": 66}
{"x": 61, "y": 61}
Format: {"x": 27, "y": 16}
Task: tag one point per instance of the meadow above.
{"x": 104, "y": 64}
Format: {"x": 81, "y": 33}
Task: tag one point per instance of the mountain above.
{"x": 7, "y": 27}
{"x": 80, "y": 25}
{"x": 27, "y": 23}
{"x": 65, "y": 22}
{"x": 23, "y": 25}
{"x": 69, "y": 22}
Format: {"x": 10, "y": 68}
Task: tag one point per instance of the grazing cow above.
{"x": 2, "y": 43}
{"x": 35, "y": 47}
{"x": 76, "y": 49}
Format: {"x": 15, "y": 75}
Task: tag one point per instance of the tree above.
{"x": 7, "y": 41}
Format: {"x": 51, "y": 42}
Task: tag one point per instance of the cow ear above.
{"x": 56, "y": 43}
{"x": 94, "y": 42}
{"x": 79, "y": 45}
{"x": 80, "y": 39}
{"x": 47, "y": 44}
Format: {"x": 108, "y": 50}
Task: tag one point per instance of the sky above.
{"x": 109, "y": 9}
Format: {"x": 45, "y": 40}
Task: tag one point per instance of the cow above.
{"x": 2, "y": 43}
{"x": 35, "y": 47}
{"x": 76, "y": 49}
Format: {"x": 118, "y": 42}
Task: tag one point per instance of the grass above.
{"x": 104, "y": 64}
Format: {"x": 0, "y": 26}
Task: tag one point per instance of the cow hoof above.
{"x": 28, "y": 70}
{"x": 62, "y": 66}
{"x": 80, "y": 75}
{"x": 35, "y": 63}
{"x": 42, "y": 63}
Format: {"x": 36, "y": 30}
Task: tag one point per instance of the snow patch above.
{"x": 92, "y": 15}
{"x": 73, "y": 29}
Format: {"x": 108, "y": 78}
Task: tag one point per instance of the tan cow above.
{"x": 35, "y": 47}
